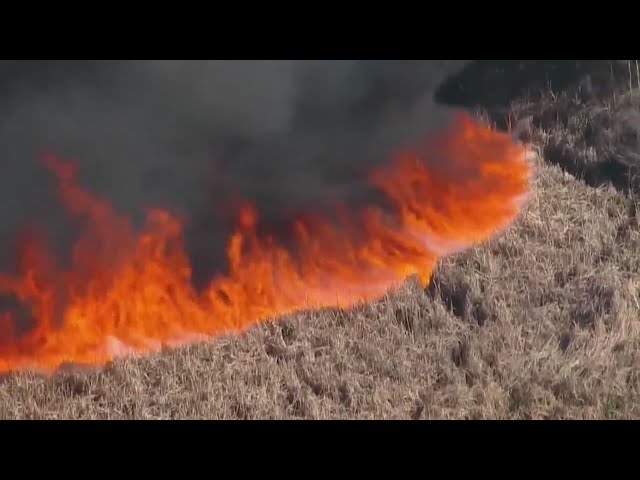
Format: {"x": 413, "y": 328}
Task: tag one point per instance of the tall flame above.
{"x": 130, "y": 291}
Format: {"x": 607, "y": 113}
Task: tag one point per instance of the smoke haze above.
{"x": 195, "y": 136}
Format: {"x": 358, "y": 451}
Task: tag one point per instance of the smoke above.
{"x": 195, "y": 136}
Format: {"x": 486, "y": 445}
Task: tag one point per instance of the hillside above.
{"x": 541, "y": 322}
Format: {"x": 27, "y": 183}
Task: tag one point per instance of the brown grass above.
{"x": 543, "y": 322}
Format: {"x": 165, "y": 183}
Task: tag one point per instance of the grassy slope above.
{"x": 541, "y": 322}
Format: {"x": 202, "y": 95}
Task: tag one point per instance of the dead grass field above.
{"x": 542, "y": 322}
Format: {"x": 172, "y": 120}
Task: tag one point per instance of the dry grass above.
{"x": 591, "y": 134}
{"x": 543, "y": 322}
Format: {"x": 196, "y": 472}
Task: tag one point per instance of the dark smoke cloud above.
{"x": 194, "y": 134}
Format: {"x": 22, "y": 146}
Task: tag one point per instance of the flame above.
{"x": 129, "y": 292}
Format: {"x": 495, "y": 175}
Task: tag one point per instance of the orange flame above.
{"x": 129, "y": 292}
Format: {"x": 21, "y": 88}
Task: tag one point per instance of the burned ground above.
{"x": 541, "y": 322}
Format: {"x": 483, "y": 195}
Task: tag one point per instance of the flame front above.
{"x": 128, "y": 292}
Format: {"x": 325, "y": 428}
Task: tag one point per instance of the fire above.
{"x": 129, "y": 292}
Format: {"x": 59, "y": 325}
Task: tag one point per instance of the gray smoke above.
{"x": 195, "y": 135}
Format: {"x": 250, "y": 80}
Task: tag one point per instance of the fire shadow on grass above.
{"x": 584, "y": 106}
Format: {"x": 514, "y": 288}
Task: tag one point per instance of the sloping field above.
{"x": 542, "y": 322}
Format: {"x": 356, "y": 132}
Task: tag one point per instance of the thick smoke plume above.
{"x": 198, "y": 136}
